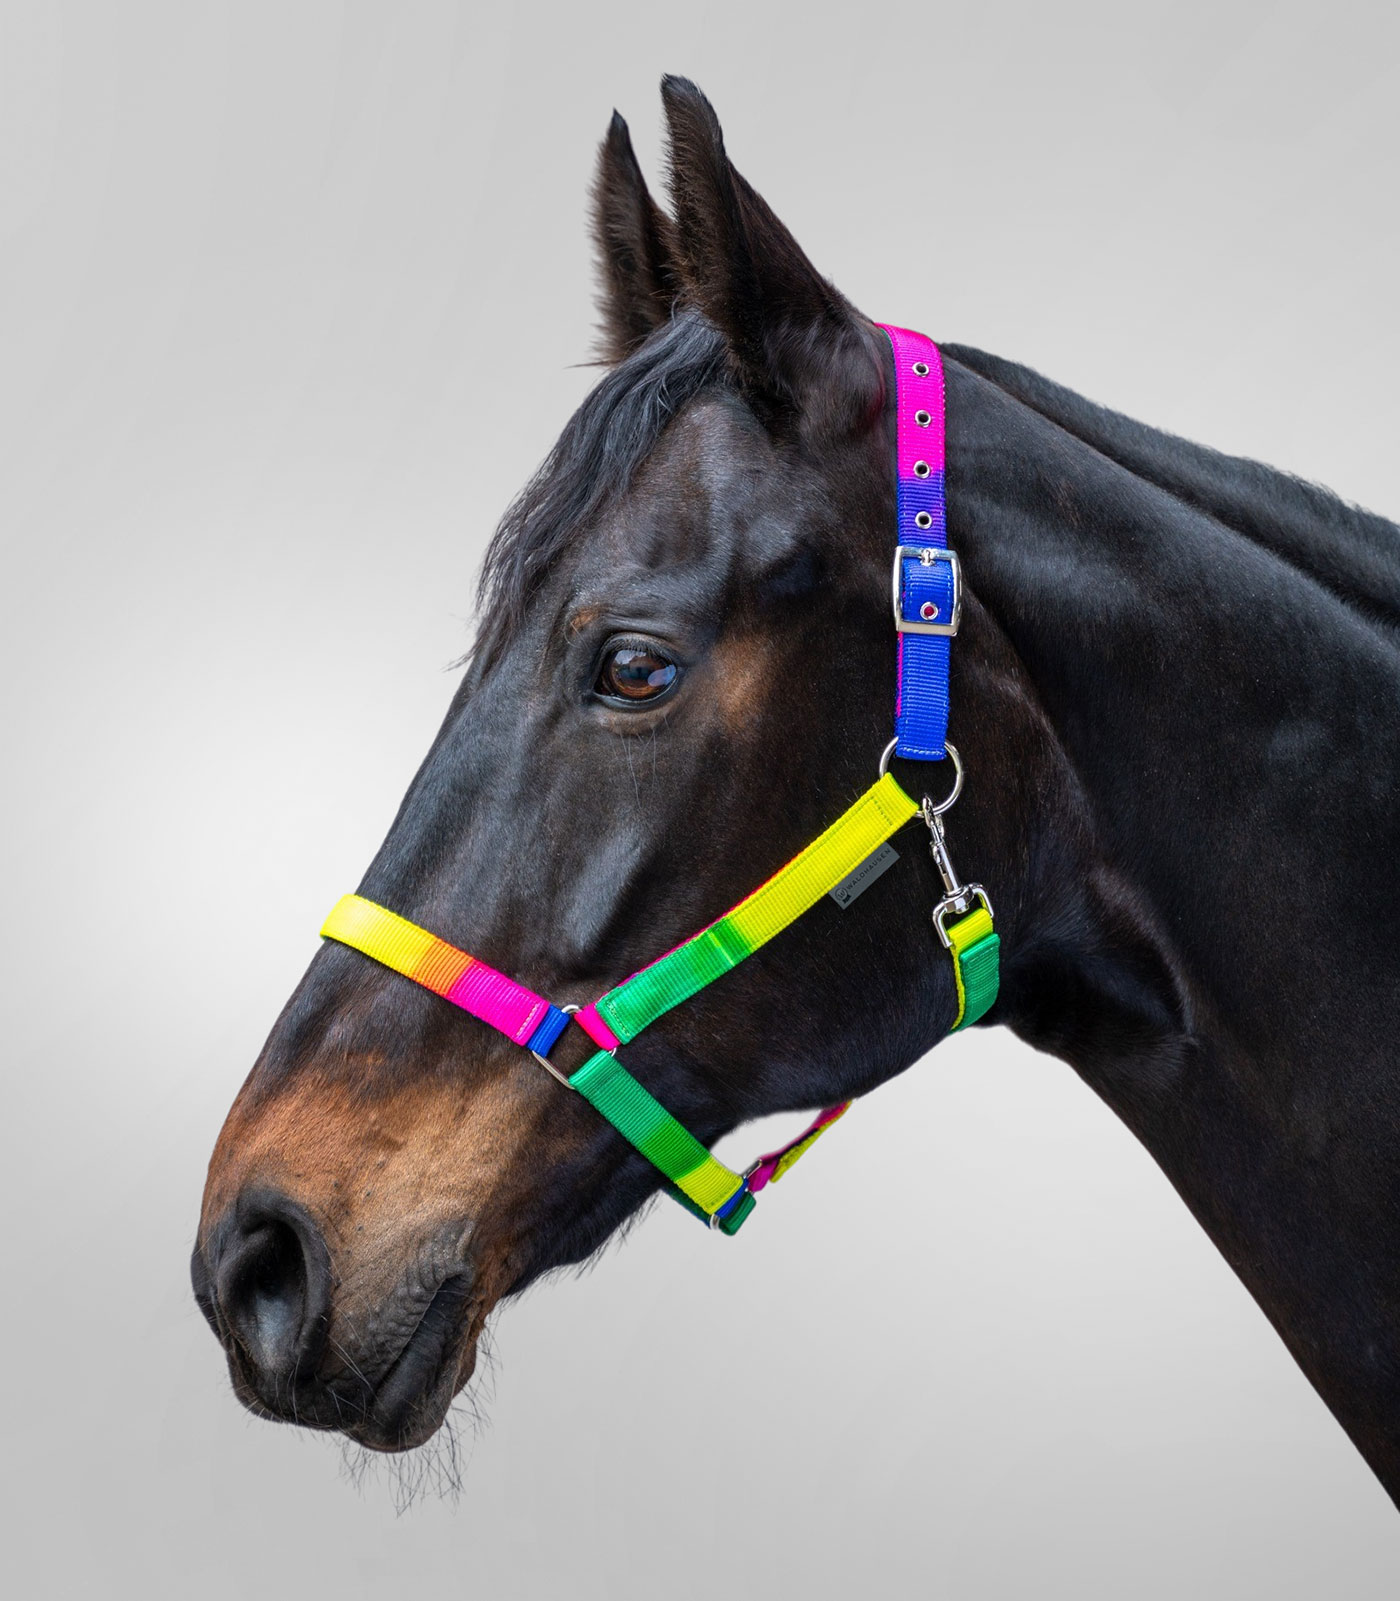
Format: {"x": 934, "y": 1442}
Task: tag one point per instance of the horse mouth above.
{"x": 388, "y": 1389}
{"x": 411, "y": 1399}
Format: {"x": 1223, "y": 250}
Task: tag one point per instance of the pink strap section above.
{"x": 386, "y": 937}
{"x": 499, "y": 1001}
{"x": 590, "y": 1021}
{"x": 776, "y": 1163}
{"x": 920, "y": 395}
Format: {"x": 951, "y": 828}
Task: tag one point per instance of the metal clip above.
{"x": 957, "y": 896}
{"x": 938, "y": 849}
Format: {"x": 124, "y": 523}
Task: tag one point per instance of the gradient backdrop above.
{"x": 291, "y": 298}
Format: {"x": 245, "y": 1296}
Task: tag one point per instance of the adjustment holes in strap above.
{"x": 921, "y": 369}
{"x": 923, "y": 519}
{"x": 921, "y": 469}
{"x": 922, "y": 418}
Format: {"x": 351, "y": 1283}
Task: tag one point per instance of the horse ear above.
{"x": 632, "y": 236}
{"x": 795, "y": 338}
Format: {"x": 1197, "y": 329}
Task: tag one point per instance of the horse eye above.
{"x": 634, "y": 673}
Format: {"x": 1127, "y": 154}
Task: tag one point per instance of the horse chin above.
{"x": 397, "y": 1420}
{"x": 413, "y": 1398}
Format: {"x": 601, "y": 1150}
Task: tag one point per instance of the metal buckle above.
{"x": 927, "y": 555}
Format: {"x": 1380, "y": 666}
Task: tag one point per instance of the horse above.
{"x": 1176, "y": 685}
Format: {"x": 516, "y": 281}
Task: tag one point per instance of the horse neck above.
{"x": 1205, "y": 924}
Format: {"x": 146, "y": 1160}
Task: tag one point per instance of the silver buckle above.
{"x": 926, "y": 555}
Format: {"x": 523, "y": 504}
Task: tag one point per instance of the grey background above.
{"x": 290, "y": 296}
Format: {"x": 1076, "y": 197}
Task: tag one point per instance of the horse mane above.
{"x": 618, "y": 423}
{"x": 1360, "y": 561}
{"x": 594, "y": 459}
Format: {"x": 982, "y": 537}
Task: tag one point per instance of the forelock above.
{"x": 594, "y": 460}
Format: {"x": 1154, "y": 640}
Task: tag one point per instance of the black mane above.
{"x": 1285, "y": 514}
{"x": 619, "y": 423}
{"x": 601, "y": 447}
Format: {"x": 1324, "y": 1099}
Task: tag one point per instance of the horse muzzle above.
{"x": 300, "y": 1349}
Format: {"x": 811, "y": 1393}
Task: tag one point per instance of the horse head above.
{"x": 684, "y": 669}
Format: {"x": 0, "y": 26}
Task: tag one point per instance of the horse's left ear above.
{"x": 631, "y": 234}
{"x": 797, "y": 341}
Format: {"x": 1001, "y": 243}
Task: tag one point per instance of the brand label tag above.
{"x": 860, "y": 878}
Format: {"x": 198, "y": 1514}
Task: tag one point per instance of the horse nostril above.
{"x": 272, "y": 1283}
{"x": 266, "y": 1300}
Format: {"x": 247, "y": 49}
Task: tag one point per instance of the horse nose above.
{"x": 268, "y": 1274}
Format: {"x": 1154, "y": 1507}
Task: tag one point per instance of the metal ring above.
{"x": 943, "y": 805}
{"x": 922, "y": 418}
{"x": 952, "y": 749}
{"x": 921, "y": 367}
{"x": 545, "y": 1062}
{"x": 922, "y": 520}
{"x": 921, "y": 469}
{"x": 553, "y": 1071}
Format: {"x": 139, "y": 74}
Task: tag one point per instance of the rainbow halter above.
{"x": 926, "y": 592}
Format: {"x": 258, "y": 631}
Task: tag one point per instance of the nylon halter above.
{"x": 925, "y": 585}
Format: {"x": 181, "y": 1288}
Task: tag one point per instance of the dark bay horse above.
{"x": 1177, "y": 691}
